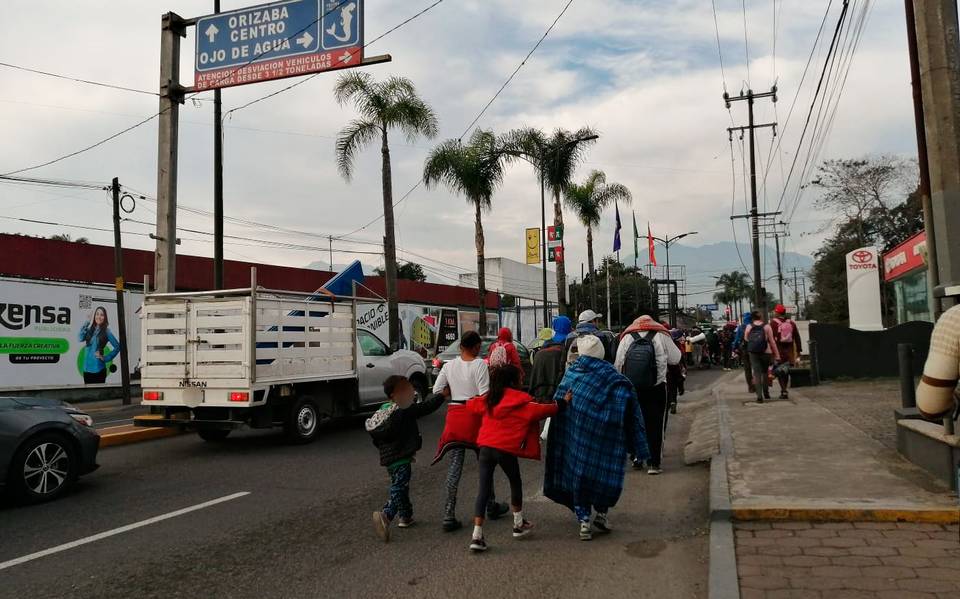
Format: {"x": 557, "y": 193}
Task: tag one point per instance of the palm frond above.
{"x": 351, "y": 139}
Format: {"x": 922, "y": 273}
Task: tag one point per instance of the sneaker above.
{"x": 654, "y": 470}
{"x": 601, "y": 523}
{"x": 638, "y": 464}
{"x": 522, "y": 530}
{"x": 451, "y": 524}
{"x": 496, "y": 510}
{"x": 673, "y": 408}
{"x": 586, "y": 533}
{"x": 478, "y": 545}
{"x": 406, "y": 522}
{"x": 381, "y": 526}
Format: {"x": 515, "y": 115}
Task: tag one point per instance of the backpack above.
{"x": 640, "y": 363}
{"x": 785, "y": 331}
{"x": 498, "y": 356}
{"x": 757, "y": 340}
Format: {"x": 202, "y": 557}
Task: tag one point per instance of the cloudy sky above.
{"x": 645, "y": 73}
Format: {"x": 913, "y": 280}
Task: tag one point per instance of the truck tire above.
{"x": 212, "y": 435}
{"x": 303, "y": 420}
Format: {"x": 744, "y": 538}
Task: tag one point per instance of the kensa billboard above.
{"x": 277, "y": 40}
{"x": 61, "y": 336}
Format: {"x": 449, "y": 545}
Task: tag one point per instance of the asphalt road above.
{"x": 303, "y": 529}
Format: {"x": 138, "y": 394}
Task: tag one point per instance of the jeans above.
{"x": 760, "y": 363}
{"x": 490, "y": 458}
{"x": 399, "y": 502}
{"x": 653, "y": 406}
{"x": 747, "y": 369}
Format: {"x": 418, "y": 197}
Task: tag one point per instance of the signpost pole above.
{"x": 119, "y": 285}
{"x": 171, "y": 96}
{"x": 217, "y": 183}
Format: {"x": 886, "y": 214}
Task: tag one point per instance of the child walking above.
{"x": 396, "y": 434}
{"x": 510, "y": 429}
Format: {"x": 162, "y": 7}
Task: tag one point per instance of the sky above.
{"x": 645, "y": 74}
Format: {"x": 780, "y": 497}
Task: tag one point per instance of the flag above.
{"x": 653, "y": 255}
{"x": 636, "y": 236}
{"x": 616, "y": 233}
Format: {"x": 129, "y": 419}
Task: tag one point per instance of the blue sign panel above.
{"x": 276, "y": 40}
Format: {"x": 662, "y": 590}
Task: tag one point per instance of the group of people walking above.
{"x": 768, "y": 350}
{"x": 606, "y": 398}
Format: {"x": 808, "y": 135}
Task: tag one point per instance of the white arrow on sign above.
{"x": 305, "y": 40}
{"x": 211, "y": 32}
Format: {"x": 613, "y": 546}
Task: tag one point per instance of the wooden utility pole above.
{"x": 119, "y": 286}
{"x": 173, "y": 28}
{"x": 758, "y": 289}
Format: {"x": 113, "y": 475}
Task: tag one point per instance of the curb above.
{"x": 129, "y": 433}
{"x": 723, "y": 579}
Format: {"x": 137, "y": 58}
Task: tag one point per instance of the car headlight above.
{"x": 83, "y": 419}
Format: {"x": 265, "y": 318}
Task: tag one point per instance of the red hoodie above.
{"x": 514, "y": 425}
{"x": 505, "y": 338}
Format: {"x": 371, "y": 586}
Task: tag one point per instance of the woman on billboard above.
{"x": 95, "y": 334}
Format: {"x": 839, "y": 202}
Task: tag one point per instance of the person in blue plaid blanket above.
{"x": 588, "y": 443}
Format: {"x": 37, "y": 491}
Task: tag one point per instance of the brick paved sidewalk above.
{"x": 842, "y": 560}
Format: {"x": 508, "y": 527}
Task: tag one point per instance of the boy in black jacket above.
{"x": 396, "y": 434}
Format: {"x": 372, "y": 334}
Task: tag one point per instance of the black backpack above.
{"x": 640, "y": 363}
{"x": 757, "y": 340}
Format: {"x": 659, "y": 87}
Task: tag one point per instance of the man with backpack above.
{"x": 762, "y": 347}
{"x": 588, "y": 324}
{"x": 645, "y": 351}
{"x": 740, "y": 346}
{"x": 789, "y": 345}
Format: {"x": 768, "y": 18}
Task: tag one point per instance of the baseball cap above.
{"x": 780, "y": 309}
{"x": 587, "y": 316}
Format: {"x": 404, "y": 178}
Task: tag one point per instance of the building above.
{"x": 905, "y": 268}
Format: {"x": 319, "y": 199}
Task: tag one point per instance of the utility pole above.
{"x": 217, "y": 183}
{"x": 330, "y": 242}
{"x": 796, "y": 290}
{"x": 608, "y": 295}
{"x": 758, "y": 291}
{"x": 119, "y": 286}
{"x": 938, "y": 56}
{"x": 173, "y": 28}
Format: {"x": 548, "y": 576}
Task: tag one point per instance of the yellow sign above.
{"x": 533, "y": 246}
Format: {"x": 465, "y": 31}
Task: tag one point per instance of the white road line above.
{"x": 116, "y": 531}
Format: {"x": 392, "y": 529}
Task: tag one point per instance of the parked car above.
{"x": 45, "y": 445}
{"x": 453, "y": 350}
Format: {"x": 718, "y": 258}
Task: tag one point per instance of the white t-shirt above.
{"x": 666, "y": 350}
{"x": 466, "y": 379}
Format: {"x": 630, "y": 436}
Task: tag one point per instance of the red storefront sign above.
{"x": 906, "y": 257}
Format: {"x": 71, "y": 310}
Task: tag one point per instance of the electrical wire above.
{"x": 79, "y": 80}
{"x": 716, "y": 27}
{"x": 746, "y": 44}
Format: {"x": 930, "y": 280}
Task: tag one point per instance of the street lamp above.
{"x": 667, "y": 242}
{"x": 543, "y": 213}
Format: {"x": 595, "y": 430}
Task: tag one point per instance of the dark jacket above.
{"x": 398, "y": 435}
{"x": 608, "y": 339}
{"x": 547, "y": 371}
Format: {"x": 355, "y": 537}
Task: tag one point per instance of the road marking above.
{"x": 116, "y": 531}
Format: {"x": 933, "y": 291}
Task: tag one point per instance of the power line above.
{"x": 746, "y": 44}
{"x": 79, "y": 80}
{"x": 716, "y": 26}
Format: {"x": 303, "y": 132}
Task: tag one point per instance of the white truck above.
{"x": 219, "y": 360}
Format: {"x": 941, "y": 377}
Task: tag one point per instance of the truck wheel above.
{"x": 303, "y": 420}
{"x": 212, "y": 435}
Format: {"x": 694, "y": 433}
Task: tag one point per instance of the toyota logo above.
{"x": 862, "y": 256}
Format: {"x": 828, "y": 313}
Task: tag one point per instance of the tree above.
{"x": 383, "y": 105}
{"x": 588, "y": 201}
{"x": 858, "y": 190}
{"x": 474, "y": 170}
{"x": 408, "y": 271}
{"x": 66, "y": 237}
{"x": 555, "y": 159}
{"x": 736, "y": 288}
{"x": 631, "y": 294}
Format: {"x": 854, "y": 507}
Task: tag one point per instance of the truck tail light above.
{"x": 152, "y": 396}
{"x": 239, "y": 396}
{"x": 437, "y": 363}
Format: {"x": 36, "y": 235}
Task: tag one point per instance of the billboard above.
{"x": 863, "y": 289}
{"x": 55, "y": 335}
{"x": 418, "y": 325}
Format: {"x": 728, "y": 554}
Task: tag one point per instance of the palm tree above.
{"x": 737, "y": 287}
{"x": 555, "y": 158}
{"x": 474, "y": 170}
{"x": 383, "y": 105}
{"x": 588, "y": 201}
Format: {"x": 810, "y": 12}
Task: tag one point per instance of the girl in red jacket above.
{"x": 510, "y": 429}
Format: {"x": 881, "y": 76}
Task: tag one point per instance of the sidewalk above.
{"x": 819, "y": 498}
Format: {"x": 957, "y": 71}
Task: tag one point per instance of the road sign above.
{"x": 709, "y": 307}
{"x": 533, "y": 245}
{"x": 277, "y": 40}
